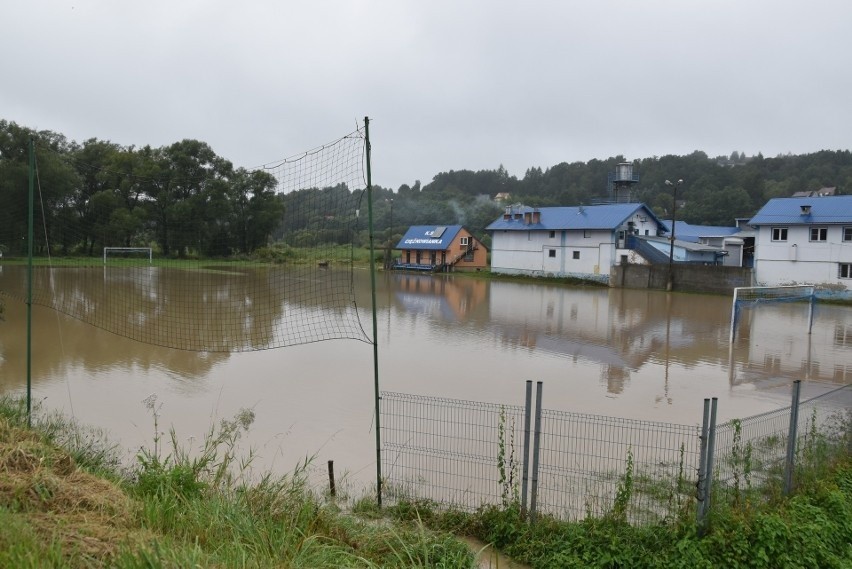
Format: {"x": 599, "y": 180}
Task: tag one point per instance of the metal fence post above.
{"x": 536, "y": 448}
{"x": 711, "y": 450}
{"x": 789, "y": 462}
{"x": 526, "y": 463}
{"x": 700, "y": 494}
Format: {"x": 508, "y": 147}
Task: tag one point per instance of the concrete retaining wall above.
{"x": 687, "y": 278}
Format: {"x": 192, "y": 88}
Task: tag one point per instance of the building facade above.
{"x": 804, "y": 240}
{"x": 440, "y": 248}
{"x": 582, "y": 242}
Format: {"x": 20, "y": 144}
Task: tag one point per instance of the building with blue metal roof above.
{"x": 581, "y": 241}
{"x": 804, "y": 240}
{"x": 440, "y": 248}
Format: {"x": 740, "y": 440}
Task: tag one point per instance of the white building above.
{"x": 804, "y": 241}
{"x": 583, "y": 241}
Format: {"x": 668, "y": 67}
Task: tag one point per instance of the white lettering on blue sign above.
{"x": 418, "y": 241}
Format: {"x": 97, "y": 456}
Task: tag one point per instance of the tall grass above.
{"x": 180, "y": 507}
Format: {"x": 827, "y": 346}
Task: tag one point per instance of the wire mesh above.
{"x": 174, "y": 247}
{"x": 467, "y": 454}
{"x": 454, "y": 452}
{"x": 750, "y": 453}
{"x": 592, "y": 465}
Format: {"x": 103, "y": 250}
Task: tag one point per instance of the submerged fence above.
{"x": 467, "y": 454}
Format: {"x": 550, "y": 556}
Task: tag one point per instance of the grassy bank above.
{"x": 813, "y": 528}
{"x": 66, "y": 501}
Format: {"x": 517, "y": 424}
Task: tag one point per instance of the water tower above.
{"x": 621, "y": 182}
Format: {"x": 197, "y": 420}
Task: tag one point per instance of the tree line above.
{"x": 184, "y": 198}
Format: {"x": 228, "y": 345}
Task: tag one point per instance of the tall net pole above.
{"x": 30, "y": 282}
{"x": 375, "y": 327}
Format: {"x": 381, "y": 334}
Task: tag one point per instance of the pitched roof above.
{"x": 429, "y": 237}
{"x": 608, "y": 216}
{"x": 805, "y": 211}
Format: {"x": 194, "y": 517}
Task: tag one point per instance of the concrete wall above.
{"x": 687, "y": 278}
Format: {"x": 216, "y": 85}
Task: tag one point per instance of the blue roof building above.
{"x": 440, "y": 248}
{"x": 581, "y": 241}
{"x": 804, "y": 240}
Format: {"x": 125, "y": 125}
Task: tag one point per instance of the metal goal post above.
{"x": 149, "y": 250}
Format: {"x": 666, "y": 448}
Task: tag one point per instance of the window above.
{"x": 576, "y": 254}
{"x": 587, "y": 233}
{"x": 551, "y": 253}
{"x": 464, "y": 241}
{"x": 819, "y": 233}
{"x": 779, "y": 233}
{"x": 847, "y": 233}
{"x": 552, "y": 234}
{"x": 844, "y": 270}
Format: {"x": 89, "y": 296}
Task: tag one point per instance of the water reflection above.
{"x": 63, "y": 345}
{"x": 627, "y": 353}
{"x": 772, "y": 341}
{"x": 200, "y": 308}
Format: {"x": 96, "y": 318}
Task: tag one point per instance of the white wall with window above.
{"x": 566, "y": 253}
{"x": 804, "y": 254}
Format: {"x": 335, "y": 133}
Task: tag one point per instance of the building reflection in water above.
{"x": 623, "y": 330}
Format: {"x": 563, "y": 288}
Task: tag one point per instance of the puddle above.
{"x": 488, "y": 558}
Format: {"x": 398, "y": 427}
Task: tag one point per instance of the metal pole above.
{"x": 536, "y": 447}
{"x": 30, "y": 284}
{"x": 702, "y": 463}
{"x": 734, "y": 314}
{"x": 670, "y": 284}
{"x": 375, "y": 325}
{"x": 711, "y": 448}
{"x": 789, "y": 461}
{"x": 526, "y": 465}
{"x": 811, "y": 304}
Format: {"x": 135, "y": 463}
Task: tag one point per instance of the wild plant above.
{"x": 507, "y": 467}
{"x": 624, "y": 492}
{"x": 186, "y": 472}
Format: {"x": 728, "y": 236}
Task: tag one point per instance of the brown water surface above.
{"x": 634, "y": 354}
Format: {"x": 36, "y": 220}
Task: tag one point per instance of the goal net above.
{"x": 751, "y": 297}
{"x": 176, "y": 247}
{"x": 129, "y": 253}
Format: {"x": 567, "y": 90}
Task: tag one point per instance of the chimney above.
{"x": 536, "y": 216}
{"x": 806, "y": 209}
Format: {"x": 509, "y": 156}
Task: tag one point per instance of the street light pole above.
{"x": 670, "y": 284}
{"x": 389, "y": 249}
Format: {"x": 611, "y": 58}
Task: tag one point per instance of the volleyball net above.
{"x": 176, "y": 247}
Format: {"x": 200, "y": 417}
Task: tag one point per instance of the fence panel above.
{"x": 750, "y": 452}
{"x": 454, "y": 452}
{"x": 468, "y": 454}
{"x": 639, "y": 471}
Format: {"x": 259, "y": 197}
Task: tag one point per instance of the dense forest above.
{"x": 184, "y": 199}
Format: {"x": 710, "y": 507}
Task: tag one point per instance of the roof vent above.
{"x": 806, "y": 209}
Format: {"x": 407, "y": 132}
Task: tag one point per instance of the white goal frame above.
{"x": 129, "y": 250}
{"x": 746, "y": 296}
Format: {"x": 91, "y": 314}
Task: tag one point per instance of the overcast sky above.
{"x": 448, "y": 85}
